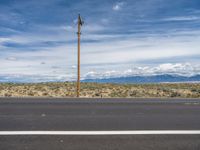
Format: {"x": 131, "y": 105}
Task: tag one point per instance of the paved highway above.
{"x": 99, "y": 115}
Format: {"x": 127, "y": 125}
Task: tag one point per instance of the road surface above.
{"x": 99, "y": 115}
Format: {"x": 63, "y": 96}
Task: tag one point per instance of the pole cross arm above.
{"x": 80, "y": 20}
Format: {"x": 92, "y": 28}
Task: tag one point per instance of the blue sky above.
{"x": 119, "y": 38}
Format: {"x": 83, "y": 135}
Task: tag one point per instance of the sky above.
{"x": 38, "y": 40}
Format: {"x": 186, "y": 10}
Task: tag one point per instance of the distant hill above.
{"x": 147, "y": 79}
{"x": 121, "y": 80}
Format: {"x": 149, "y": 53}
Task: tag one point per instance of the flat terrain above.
{"x": 88, "y": 90}
{"x": 99, "y": 115}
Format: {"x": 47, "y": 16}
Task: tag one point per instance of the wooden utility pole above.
{"x": 80, "y": 23}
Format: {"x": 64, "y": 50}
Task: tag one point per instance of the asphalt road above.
{"x": 99, "y": 115}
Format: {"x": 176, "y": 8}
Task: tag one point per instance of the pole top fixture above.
{"x": 80, "y": 20}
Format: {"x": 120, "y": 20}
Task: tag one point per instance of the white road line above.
{"x": 140, "y": 132}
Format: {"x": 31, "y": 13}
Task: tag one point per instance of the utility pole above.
{"x": 80, "y": 23}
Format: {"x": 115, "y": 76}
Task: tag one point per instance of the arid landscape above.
{"x": 96, "y": 90}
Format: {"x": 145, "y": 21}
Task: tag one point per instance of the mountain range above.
{"x": 147, "y": 79}
{"x": 165, "y": 78}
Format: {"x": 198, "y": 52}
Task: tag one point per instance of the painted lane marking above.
{"x": 190, "y": 103}
{"x": 141, "y": 132}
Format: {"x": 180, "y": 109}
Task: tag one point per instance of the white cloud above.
{"x": 171, "y": 67}
{"x": 11, "y": 58}
{"x": 182, "y": 18}
{"x": 118, "y": 6}
{"x": 140, "y": 49}
{"x": 53, "y": 34}
{"x": 185, "y": 69}
{"x": 4, "y": 39}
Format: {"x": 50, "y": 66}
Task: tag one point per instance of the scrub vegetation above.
{"x": 68, "y": 89}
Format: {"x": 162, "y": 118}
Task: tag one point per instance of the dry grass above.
{"x": 182, "y": 90}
